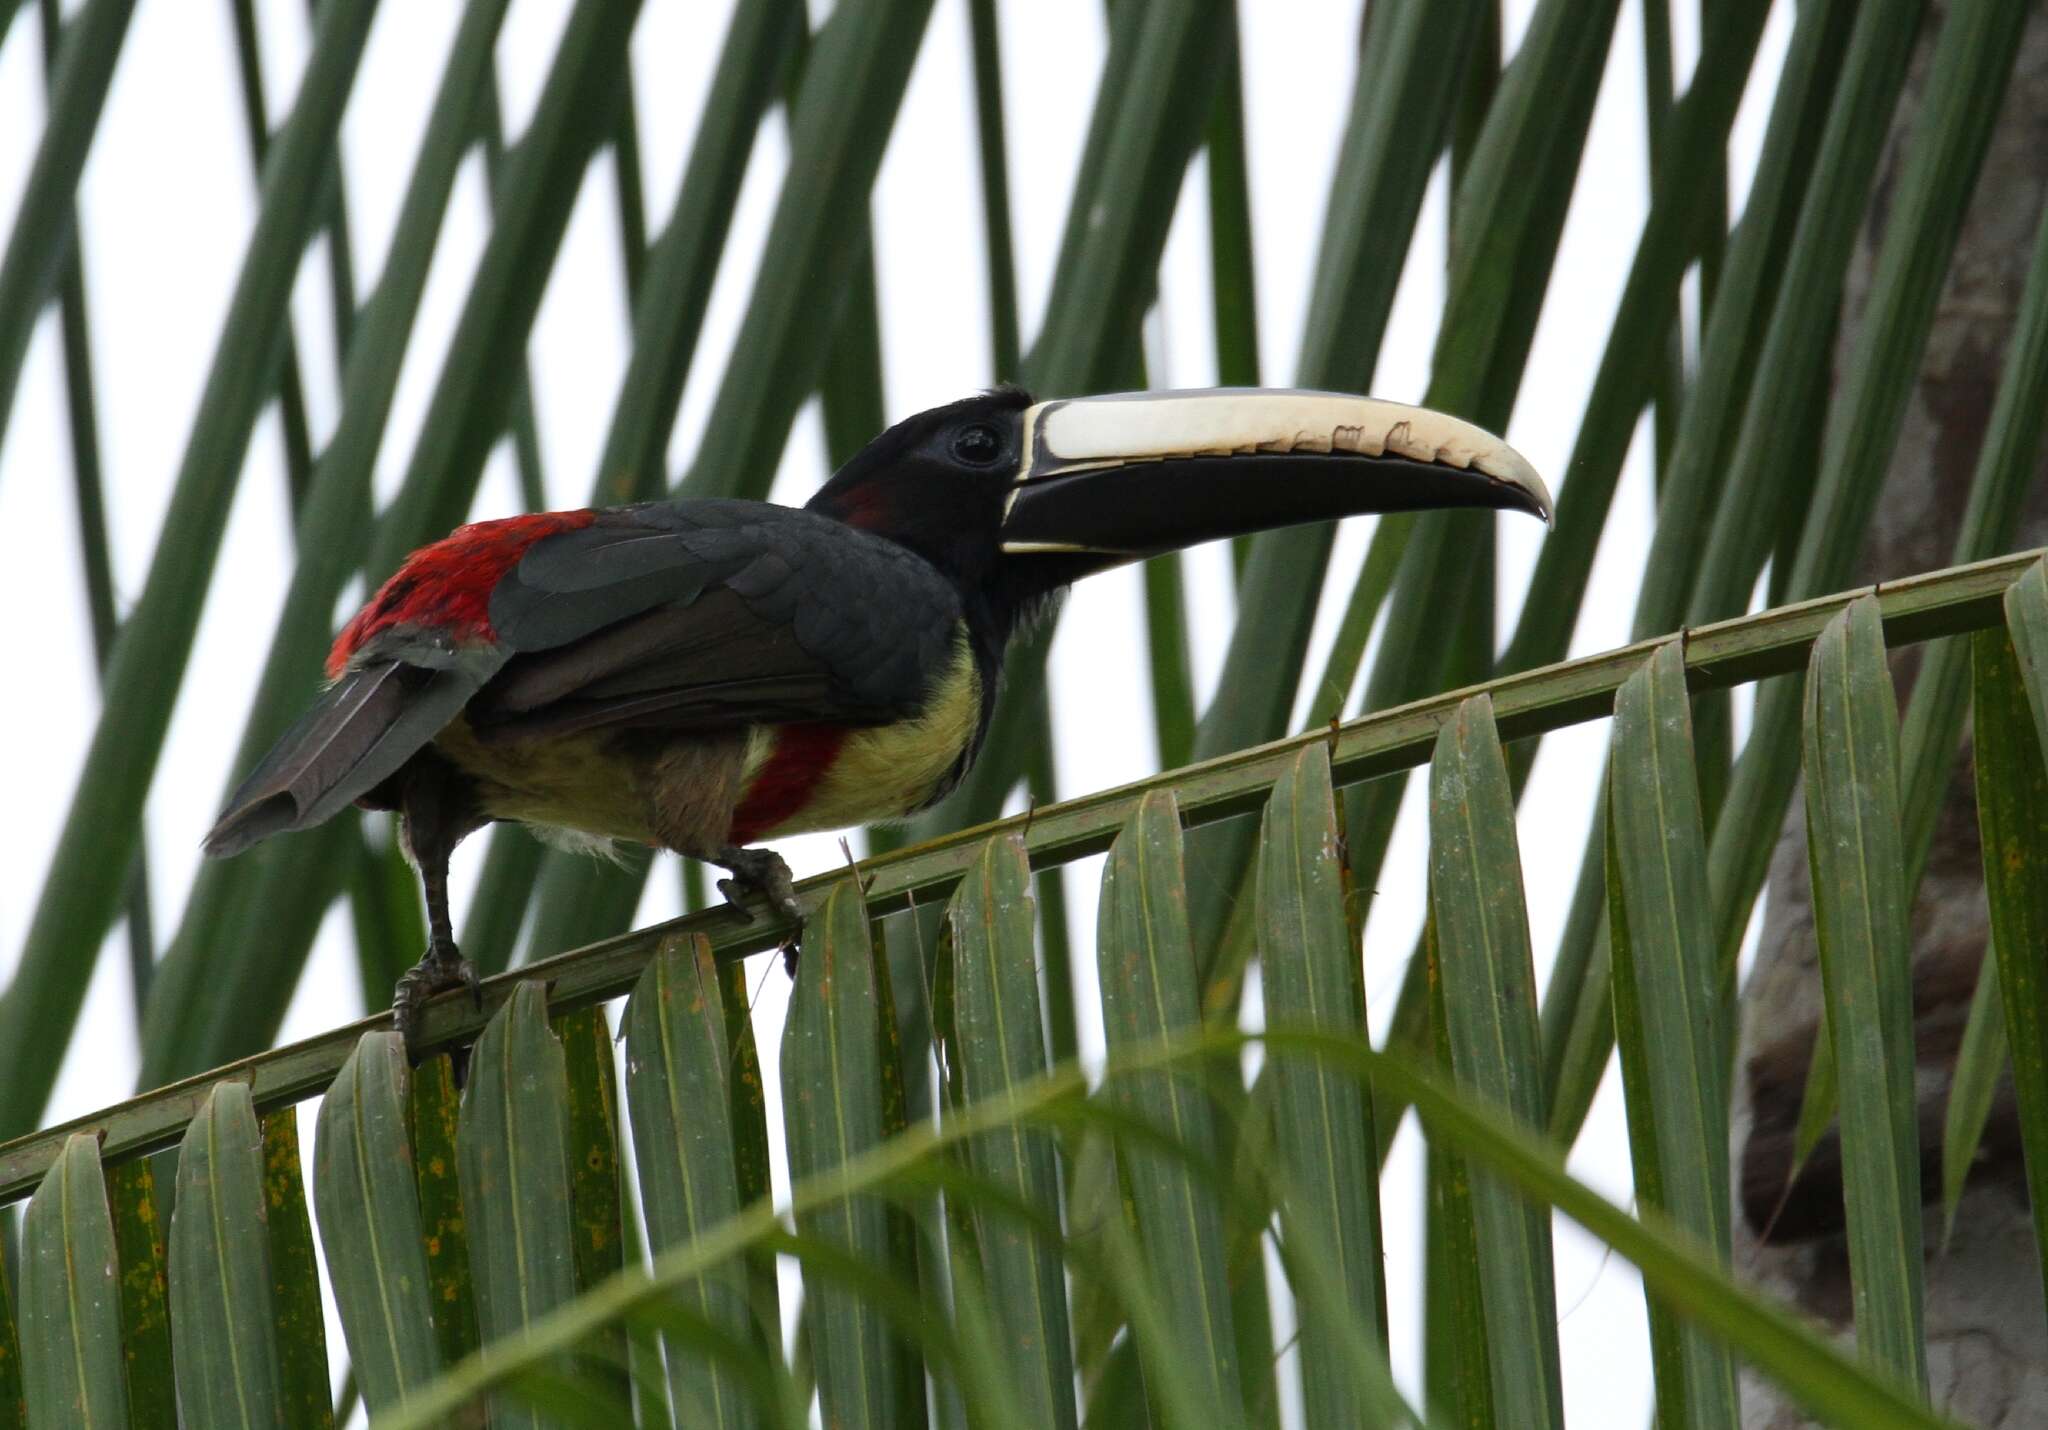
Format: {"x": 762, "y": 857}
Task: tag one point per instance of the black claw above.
{"x": 762, "y": 872}
{"x": 440, "y": 969}
{"x": 735, "y": 899}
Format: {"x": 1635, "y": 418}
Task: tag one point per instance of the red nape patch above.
{"x": 447, "y": 586}
{"x": 788, "y": 778}
{"x": 866, "y": 507}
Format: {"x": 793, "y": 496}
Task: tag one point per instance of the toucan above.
{"x": 705, "y": 673}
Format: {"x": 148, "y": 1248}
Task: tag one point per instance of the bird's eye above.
{"x": 978, "y": 444}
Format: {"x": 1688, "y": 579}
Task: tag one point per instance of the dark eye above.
{"x": 979, "y": 444}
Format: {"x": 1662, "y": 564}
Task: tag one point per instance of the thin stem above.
{"x": 521, "y": 423}
{"x": 82, "y": 411}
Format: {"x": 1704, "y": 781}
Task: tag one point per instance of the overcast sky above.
{"x": 168, "y": 203}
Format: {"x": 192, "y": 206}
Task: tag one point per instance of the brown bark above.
{"x": 1986, "y": 1325}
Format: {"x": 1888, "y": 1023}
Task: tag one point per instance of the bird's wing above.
{"x": 714, "y": 615}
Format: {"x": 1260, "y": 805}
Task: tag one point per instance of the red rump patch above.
{"x": 447, "y": 586}
{"x": 799, "y": 760}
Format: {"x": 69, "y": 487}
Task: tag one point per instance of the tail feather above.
{"x": 360, "y": 731}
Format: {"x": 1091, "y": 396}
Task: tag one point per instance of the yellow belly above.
{"x": 581, "y": 782}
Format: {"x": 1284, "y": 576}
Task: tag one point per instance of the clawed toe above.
{"x": 761, "y": 872}
{"x": 736, "y": 898}
{"x": 438, "y": 971}
{"x": 783, "y": 901}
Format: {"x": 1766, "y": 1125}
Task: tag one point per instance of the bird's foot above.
{"x": 440, "y": 968}
{"x": 758, "y": 871}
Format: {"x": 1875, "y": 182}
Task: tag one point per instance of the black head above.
{"x": 938, "y": 482}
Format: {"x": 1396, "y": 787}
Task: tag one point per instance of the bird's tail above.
{"x": 361, "y": 730}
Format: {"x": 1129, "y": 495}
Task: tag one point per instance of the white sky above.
{"x": 168, "y": 203}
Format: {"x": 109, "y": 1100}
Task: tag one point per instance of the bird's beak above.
{"x": 1121, "y": 477}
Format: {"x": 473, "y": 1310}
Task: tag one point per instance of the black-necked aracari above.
{"x": 701, "y": 674}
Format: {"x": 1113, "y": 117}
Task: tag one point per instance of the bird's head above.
{"x": 938, "y": 482}
{"x": 1001, "y": 491}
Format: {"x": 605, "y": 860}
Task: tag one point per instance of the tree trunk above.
{"x": 1987, "y": 1332}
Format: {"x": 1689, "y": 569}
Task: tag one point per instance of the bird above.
{"x": 701, "y": 674}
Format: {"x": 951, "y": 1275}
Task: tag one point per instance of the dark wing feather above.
{"x": 363, "y": 727}
{"x": 714, "y": 615}
{"x": 712, "y": 663}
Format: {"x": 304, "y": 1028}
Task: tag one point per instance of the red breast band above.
{"x": 791, "y": 775}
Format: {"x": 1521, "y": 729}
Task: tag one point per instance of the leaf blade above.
{"x": 593, "y": 1131}
{"x": 2012, "y": 803}
{"x": 145, "y": 1290}
{"x": 513, "y": 1150}
{"x": 304, "y": 1388}
{"x": 833, "y": 1102}
{"x": 678, "y": 1098}
{"x": 370, "y": 1223}
{"x": 43, "y": 233}
{"x": 1489, "y": 999}
{"x": 13, "y": 1399}
{"x": 1327, "y": 1151}
{"x": 1147, "y": 971}
{"x": 433, "y": 1117}
{"x": 71, "y": 1357}
{"x": 223, "y": 1309}
{"x": 999, "y": 1043}
{"x": 1854, "y": 852}
{"x": 1671, "y": 1009}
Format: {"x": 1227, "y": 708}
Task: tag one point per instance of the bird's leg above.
{"x": 694, "y": 785}
{"x": 758, "y": 871}
{"x": 437, "y": 813}
{"x": 441, "y": 967}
